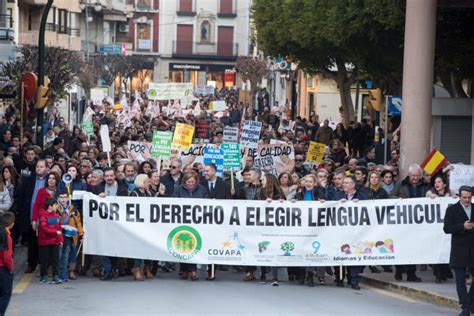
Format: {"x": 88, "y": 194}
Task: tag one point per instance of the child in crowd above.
{"x": 72, "y": 230}
{"x": 7, "y": 220}
{"x": 50, "y": 238}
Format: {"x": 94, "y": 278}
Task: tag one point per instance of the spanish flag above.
{"x": 434, "y": 162}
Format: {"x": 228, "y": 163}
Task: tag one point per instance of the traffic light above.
{"x": 42, "y": 94}
{"x": 375, "y": 99}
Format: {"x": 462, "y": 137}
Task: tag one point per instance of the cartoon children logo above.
{"x": 287, "y": 248}
{"x": 369, "y": 247}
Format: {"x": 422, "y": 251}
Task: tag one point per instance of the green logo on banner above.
{"x": 184, "y": 242}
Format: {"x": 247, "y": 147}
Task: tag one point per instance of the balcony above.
{"x": 55, "y": 35}
{"x": 227, "y": 9}
{"x": 186, "y": 7}
{"x": 6, "y": 28}
{"x": 205, "y": 50}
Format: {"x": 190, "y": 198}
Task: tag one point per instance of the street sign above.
{"x": 113, "y": 49}
{"x": 395, "y": 105}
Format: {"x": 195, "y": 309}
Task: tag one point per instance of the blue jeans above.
{"x": 6, "y": 284}
{"x": 465, "y": 299}
{"x": 137, "y": 263}
{"x": 109, "y": 264}
{"x": 68, "y": 256}
{"x": 354, "y": 272}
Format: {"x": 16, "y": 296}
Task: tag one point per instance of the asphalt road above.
{"x": 228, "y": 295}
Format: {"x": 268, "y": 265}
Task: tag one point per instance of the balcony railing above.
{"x": 187, "y": 49}
{"x": 6, "y": 27}
{"x": 226, "y": 8}
{"x": 186, "y": 7}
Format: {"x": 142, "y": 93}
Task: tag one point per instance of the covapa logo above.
{"x": 184, "y": 242}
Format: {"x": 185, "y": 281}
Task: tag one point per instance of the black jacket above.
{"x": 402, "y": 189}
{"x": 316, "y": 194}
{"x": 100, "y": 188}
{"x": 358, "y": 195}
{"x": 462, "y": 240}
{"x": 380, "y": 194}
{"x": 221, "y": 189}
{"x": 169, "y": 183}
{"x": 24, "y": 196}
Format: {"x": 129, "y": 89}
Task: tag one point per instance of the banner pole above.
{"x": 232, "y": 180}
{"x": 212, "y": 271}
{"x": 108, "y": 159}
{"x": 340, "y": 273}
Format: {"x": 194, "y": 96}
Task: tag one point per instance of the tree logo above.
{"x": 262, "y": 246}
{"x": 287, "y": 248}
{"x": 184, "y": 242}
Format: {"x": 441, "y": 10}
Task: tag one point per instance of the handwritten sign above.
{"x": 230, "y": 134}
{"x": 250, "y": 134}
{"x": 315, "y": 152}
{"x": 183, "y": 136}
{"x": 461, "y": 175}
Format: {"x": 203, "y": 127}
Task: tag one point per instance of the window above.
{"x": 144, "y": 4}
{"x": 62, "y": 21}
{"x": 205, "y": 32}
{"x": 144, "y": 36}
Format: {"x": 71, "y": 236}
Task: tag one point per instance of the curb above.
{"x": 423, "y": 295}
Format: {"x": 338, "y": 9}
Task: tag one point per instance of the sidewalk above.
{"x": 443, "y": 294}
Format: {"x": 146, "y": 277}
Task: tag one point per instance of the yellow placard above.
{"x": 183, "y": 136}
{"x": 315, "y": 152}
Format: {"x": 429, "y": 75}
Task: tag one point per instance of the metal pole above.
{"x": 357, "y": 100}
{"x": 22, "y": 113}
{"x": 42, "y": 30}
{"x": 385, "y": 131}
{"x": 87, "y": 31}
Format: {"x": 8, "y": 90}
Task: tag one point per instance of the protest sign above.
{"x": 204, "y": 90}
{"x": 231, "y": 156}
{"x": 97, "y": 95}
{"x": 140, "y": 151}
{"x": 230, "y": 134}
{"x": 123, "y": 118}
{"x": 105, "y": 138}
{"x": 461, "y": 175}
{"x": 195, "y": 153}
{"x": 315, "y": 152}
{"x": 217, "y": 106}
{"x": 161, "y": 145}
{"x": 256, "y": 233}
{"x": 169, "y": 91}
{"x": 250, "y": 134}
{"x": 87, "y": 127}
{"x": 183, "y": 136}
{"x": 273, "y": 158}
{"x": 203, "y": 129}
{"x": 87, "y": 116}
{"x": 215, "y": 156}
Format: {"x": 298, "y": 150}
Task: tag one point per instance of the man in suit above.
{"x": 459, "y": 222}
{"x": 217, "y": 189}
{"x": 27, "y": 193}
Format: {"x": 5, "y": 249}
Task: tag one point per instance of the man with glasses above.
{"x": 173, "y": 177}
{"x": 411, "y": 187}
{"x": 85, "y": 167}
{"x": 299, "y": 165}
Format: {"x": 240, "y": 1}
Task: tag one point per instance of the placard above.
{"x": 250, "y": 134}
{"x": 161, "y": 145}
{"x": 230, "y": 135}
{"x": 231, "y": 156}
{"x": 183, "y": 136}
{"x": 461, "y": 175}
{"x": 215, "y": 156}
{"x": 315, "y": 152}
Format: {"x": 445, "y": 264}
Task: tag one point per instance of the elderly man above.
{"x": 411, "y": 187}
{"x": 173, "y": 178}
{"x": 459, "y": 222}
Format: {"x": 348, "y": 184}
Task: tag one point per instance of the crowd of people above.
{"x": 34, "y": 191}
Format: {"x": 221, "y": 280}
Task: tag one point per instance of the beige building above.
{"x": 62, "y": 27}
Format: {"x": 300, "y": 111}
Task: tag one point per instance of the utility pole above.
{"x": 40, "y": 112}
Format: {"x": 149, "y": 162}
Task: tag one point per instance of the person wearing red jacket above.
{"x": 50, "y": 238}
{"x": 7, "y": 220}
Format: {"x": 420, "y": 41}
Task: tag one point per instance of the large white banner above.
{"x": 169, "y": 91}
{"x": 381, "y": 232}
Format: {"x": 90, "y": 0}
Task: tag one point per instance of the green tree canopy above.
{"x": 344, "y": 40}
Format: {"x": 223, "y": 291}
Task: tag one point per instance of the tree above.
{"x": 287, "y": 247}
{"x": 252, "y": 69}
{"x": 343, "y": 40}
{"x": 454, "y": 49}
{"x": 61, "y": 66}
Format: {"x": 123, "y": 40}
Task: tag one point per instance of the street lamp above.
{"x": 84, "y": 5}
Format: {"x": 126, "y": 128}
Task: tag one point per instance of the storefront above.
{"x": 203, "y": 74}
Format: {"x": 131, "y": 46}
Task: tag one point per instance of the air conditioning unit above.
{"x": 124, "y": 28}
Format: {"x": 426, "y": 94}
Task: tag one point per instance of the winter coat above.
{"x": 380, "y": 194}
{"x": 40, "y": 201}
{"x": 169, "y": 183}
{"x": 462, "y": 240}
{"x": 199, "y": 192}
{"x": 70, "y": 218}
{"x": 5, "y": 200}
{"x": 358, "y": 195}
{"x": 6, "y": 256}
{"x": 49, "y": 225}
{"x": 402, "y": 189}
{"x": 315, "y": 194}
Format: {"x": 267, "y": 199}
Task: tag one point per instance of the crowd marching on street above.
{"x": 39, "y": 213}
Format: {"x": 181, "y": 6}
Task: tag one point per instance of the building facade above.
{"x": 200, "y": 40}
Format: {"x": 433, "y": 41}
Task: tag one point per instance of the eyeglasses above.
{"x": 174, "y": 167}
